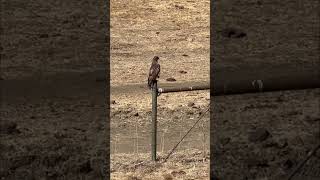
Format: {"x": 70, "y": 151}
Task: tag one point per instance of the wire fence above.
{"x": 170, "y": 128}
{"x": 136, "y": 138}
{"x": 308, "y": 168}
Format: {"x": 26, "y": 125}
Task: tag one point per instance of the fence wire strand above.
{"x": 302, "y": 163}
{"x": 174, "y": 148}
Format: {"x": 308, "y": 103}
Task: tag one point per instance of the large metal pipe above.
{"x": 251, "y": 80}
{"x": 265, "y": 79}
{"x": 187, "y": 88}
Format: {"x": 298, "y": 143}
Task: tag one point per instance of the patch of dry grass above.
{"x": 188, "y": 164}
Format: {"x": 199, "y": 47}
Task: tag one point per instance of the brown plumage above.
{"x": 154, "y": 72}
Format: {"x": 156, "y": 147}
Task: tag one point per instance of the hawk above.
{"x": 153, "y": 72}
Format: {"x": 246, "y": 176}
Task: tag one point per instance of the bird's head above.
{"x": 155, "y": 59}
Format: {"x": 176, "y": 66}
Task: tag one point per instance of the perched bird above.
{"x": 154, "y": 72}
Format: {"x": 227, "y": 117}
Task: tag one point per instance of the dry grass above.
{"x": 189, "y": 164}
{"x": 142, "y": 29}
{"x": 142, "y": 100}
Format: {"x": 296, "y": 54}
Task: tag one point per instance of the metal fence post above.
{"x": 154, "y": 122}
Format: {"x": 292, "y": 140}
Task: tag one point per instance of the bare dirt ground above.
{"x": 53, "y": 121}
{"x": 47, "y": 37}
{"x": 177, "y": 32}
{"x": 264, "y": 136}
{"x": 276, "y": 33}
{"x": 46, "y": 134}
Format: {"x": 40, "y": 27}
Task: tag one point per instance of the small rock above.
{"x": 133, "y": 178}
{"x": 136, "y": 114}
{"x": 179, "y": 7}
{"x": 157, "y": 32}
{"x": 43, "y": 35}
{"x": 258, "y": 135}
{"x": 171, "y": 79}
{"x": 167, "y": 177}
{"x": 190, "y": 104}
{"x": 190, "y": 112}
{"x": 185, "y": 55}
{"x": 79, "y": 129}
{"x": 269, "y": 144}
{"x": 233, "y": 33}
{"x": 178, "y": 173}
{"x": 183, "y": 72}
{"x": 113, "y": 102}
{"x": 259, "y": 3}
